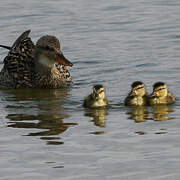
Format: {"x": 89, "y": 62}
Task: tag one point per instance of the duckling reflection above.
{"x": 98, "y": 115}
{"x": 44, "y": 113}
{"x": 161, "y": 112}
{"x": 138, "y": 113}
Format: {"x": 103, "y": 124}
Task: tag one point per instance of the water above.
{"x": 47, "y": 134}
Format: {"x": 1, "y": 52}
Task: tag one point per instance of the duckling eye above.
{"x": 139, "y": 88}
{"x": 160, "y": 89}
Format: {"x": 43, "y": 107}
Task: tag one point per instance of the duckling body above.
{"x": 137, "y": 96}
{"x": 136, "y": 101}
{"x": 161, "y": 95}
{"x": 97, "y": 98}
{"x": 35, "y": 66}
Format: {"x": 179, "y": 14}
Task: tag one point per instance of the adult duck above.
{"x": 35, "y": 66}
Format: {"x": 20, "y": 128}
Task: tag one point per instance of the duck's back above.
{"x": 170, "y": 98}
{"x": 18, "y": 64}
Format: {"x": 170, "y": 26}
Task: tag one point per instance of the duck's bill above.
{"x": 153, "y": 94}
{"x": 62, "y": 60}
{"x": 132, "y": 93}
{"x": 96, "y": 96}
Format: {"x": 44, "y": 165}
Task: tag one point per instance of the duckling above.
{"x": 97, "y": 98}
{"x": 137, "y": 96}
{"x": 35, "y": 66}
{"x": 161, "y": 95}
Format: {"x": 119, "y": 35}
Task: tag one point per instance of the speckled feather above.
{"x": 18, "y": 70}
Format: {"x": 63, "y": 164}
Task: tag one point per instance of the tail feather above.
{"x": 6, "y": 47}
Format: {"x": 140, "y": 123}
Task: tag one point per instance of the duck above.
{"x": 137, "y": 96}
{"x": 161, "y": 95}
{"x": 97, "y": 98}
{"x": 40, "y": 65}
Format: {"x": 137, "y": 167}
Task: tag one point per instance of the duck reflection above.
{"x": 161, "y": 112}
{"x": 39, "y": 110}
{"x": 138, "y": 113}
{"x": 98, "y": 115}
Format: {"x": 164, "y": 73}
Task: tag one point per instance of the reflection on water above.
{"x": 138, "y": 113}
{"x": 45, "y": 112}
{"x": 157, "y": 113}
{"x": 161, "y": 112}
{"x": 99, "y": 117}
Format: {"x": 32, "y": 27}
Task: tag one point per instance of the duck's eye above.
{"x": 140, "y": 87}
{"x": 160, "y": 89}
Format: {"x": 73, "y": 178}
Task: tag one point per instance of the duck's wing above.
{"x": 146, "y": 99}
{"x": 19, "y": 40}
{"x": 170, "y": 98}
{"x": 88, "y": 101}
{"x": 19, "y": 63}
{"x": 127, "y": 101}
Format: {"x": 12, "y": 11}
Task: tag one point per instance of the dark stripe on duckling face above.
{"x": 137, "y": 90}
{"x": 97, "y": 91}
{"x": 101, "y": 91}
{"x": 140, "y": 87}
{"x": 160, "y": 89}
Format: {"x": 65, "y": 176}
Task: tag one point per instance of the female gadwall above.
{"x": 35, "y": 66}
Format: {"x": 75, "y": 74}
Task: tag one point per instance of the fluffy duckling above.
{"x": 97, "y": 98}
{"x": 161, "y": 95}
{"x": 137, "y": 96}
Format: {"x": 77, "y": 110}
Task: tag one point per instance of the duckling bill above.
{"x": 137, "y": 95}
{"x": 161, "y": 95}
{"x": 97, "y": 98}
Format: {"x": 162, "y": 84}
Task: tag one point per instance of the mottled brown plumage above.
{"x": 35, "y": 66}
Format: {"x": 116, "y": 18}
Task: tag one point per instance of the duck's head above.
{"x": 137, "y": 89}
{"x": 48, "y": 52}
{"x": 98, "y": 92}
{"x": 159, "y": 90}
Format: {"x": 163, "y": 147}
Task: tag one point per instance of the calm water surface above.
{"x": 47, "y": 134}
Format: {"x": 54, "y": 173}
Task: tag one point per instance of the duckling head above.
{"x": 98, "y": 92}
{"x": 159, "y": 90}
{"x": 137, "y": 89}
{"x": 48, "y": 52}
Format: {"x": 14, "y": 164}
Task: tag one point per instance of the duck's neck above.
{"x": 44, "y": 66}
{"x": 161, "y": 99}
{"x": 139, "y": 100}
